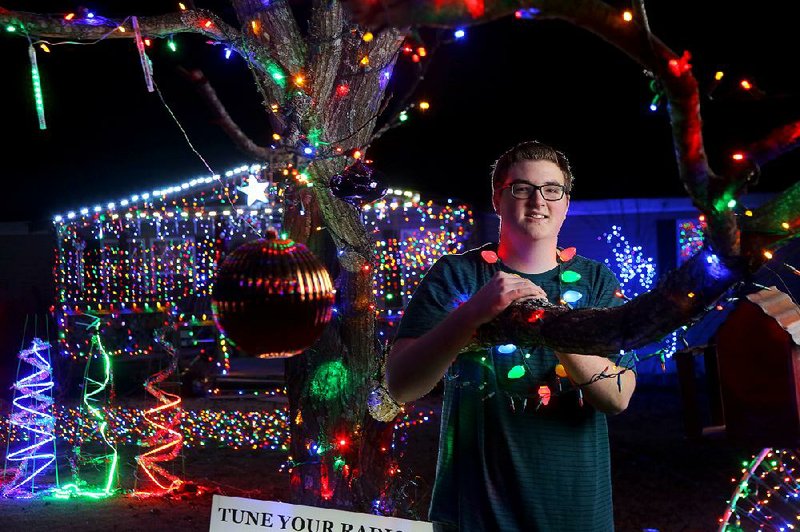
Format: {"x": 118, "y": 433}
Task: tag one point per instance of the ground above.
{"x": 662, "y": 480}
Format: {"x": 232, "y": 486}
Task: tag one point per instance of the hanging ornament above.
{"x": 381, "y": 405}
{"x": 566, "y": 254}
{"x": 358, "y": 184}
{"x": 255, "y": 190}
{"x": 272, "y": 297}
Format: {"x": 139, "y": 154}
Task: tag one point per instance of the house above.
{"x": 148, "y": 261}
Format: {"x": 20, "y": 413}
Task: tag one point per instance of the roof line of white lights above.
{"x": 160, "y": 194}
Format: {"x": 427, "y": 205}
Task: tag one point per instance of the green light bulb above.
{"x": 516, "y": 372}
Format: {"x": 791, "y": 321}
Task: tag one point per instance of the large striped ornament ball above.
{"x": 272, "y": 298}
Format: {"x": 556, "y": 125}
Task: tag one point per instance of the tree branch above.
{"x": 200, "y": 22}
{"x": 222, "y": 118}
{"x": 326, "y": 32}
{"x": 769, "y": 218}
{"x": 681, "y": 296}
{"x": 366, "y": 85}
{"x": 778, "y": 142}
{"x": 765, "y": 228}
{"x": 709, "y": 192}
{"x": 275, "y": 27}
{"x": 57, "y": 27}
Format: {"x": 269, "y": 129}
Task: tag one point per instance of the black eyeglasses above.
{"x": 522, "y": 190}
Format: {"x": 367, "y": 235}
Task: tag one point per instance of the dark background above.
{"x": 508, "y": 81}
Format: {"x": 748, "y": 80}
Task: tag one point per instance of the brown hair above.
{"x": 531, "y": 150}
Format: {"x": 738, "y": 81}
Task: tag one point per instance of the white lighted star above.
{"x": 255, "y": 191}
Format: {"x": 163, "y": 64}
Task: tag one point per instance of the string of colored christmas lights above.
{"x": 417, "y": 55}
{"x": 167, "y": 441}
{"x": 140, "y": 259}
{"x": 311, "y": 146}
{"x": 410, "y": 235}
{"x": 206, "y": 428}
{"x": 559, "y": 384}
{"x": 394, "y": 495}
{"x": 315, "y": 147}
{"x": 134, "y": 259}
{"x": 96, "y": 389}
{"x": 767, "y": 496}
{"x": 691, "y": 238}
{"x": 337, "y": 447}
{"x": 32, "y": 415}
{"x": 630, "y": 266}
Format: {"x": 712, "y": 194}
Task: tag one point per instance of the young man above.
{"x": 512, "y": 457}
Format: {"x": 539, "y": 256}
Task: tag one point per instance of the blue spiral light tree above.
{"x": 32, "y": 418}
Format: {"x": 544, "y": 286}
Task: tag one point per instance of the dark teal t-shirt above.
{"x": 505, "y": 461}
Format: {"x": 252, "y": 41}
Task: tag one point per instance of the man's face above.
{"x": 535, "y": 217}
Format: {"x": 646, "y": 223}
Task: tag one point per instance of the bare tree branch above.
{"x": 770, "y": 217}
{"x": 778, "y": 142}
{"x": 223, "y": 119}
{"x": 680, "y": 297}
{"x": 57, "y": 27}
{"x": 709, "y": 191}
{"x": 206, "y": 23}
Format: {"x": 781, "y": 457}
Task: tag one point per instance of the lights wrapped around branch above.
{"x": 272, "y": 297}
{"x": 683, "y": 295}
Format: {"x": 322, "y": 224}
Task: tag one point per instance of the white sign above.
{"x": 237, "y": 514}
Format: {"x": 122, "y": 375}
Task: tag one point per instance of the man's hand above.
{"x": 496, "y": 295}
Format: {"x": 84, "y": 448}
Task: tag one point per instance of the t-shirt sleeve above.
{"x": 435, "y": 297}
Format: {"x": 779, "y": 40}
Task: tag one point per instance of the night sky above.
{"x": 508, "y": 81}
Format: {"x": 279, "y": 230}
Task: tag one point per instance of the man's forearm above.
{"x": 605, "y": 394}
{"x": 414, "y": 368}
